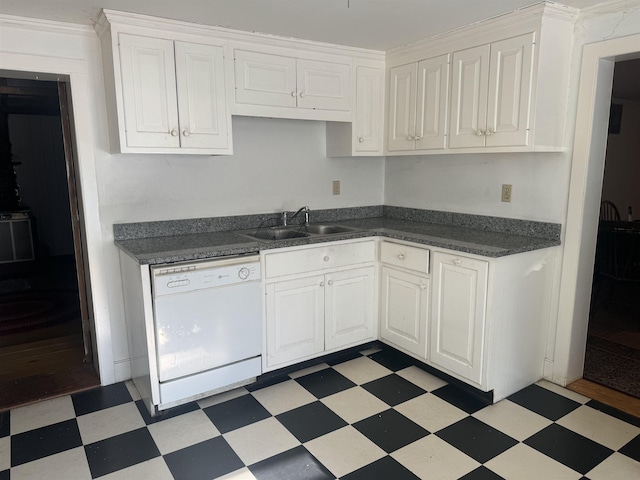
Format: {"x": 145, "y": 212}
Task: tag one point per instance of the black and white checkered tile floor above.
{"x": 372, "y": 416}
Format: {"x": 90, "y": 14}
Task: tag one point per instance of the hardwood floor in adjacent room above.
{"x": 42, "y": 364}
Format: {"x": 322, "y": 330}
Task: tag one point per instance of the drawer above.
{"x": 318, "y": 258}
{"x": 404, "y": 256}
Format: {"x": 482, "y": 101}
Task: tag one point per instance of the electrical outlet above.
{"x": 506, "y": 192}
{"x": 336, "y": 187}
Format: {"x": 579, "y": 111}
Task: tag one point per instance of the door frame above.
{"x": 75, "y": 72}
{"x": 585, "y": 190}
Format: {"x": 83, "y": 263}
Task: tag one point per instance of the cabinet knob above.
{"x": 322, "y": 284}
{"x": 401, "y": 256}
{"x": 185, "y": 133}
{"x": 302, "y": 94}
{"x": 423, "y": 286}
{"x": 174, "y": 133}
{"x": 410, "y": 138}
{"x": 480, "y": 133}
{"x": 457, "y": 261}
{"x": 330, "y": 282}
{"x": 417, "y": 137}
{"x": 360, "y": 139}
{"x": 326, "y": 258}
{"x": 490, "y": 132}
{"x": 293, "y": 94}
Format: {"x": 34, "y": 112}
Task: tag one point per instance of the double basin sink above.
{"x": 297, "y": 231}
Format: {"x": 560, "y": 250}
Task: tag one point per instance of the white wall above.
{"x": 473, "y": 183}
{"x": 277, "y": 164}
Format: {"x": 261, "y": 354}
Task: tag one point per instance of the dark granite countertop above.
{"x": 462, "y": 236}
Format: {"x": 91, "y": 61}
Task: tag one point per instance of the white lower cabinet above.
{"x": 349, "y": 307}
{"x": 480, "y": 320}
{"x": 318, "y": 300}
{"x": 458, "y": 314}
{"x": 403, "y": 309}
{"x": 295, "y": 319}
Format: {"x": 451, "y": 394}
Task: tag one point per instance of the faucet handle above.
{"x": 284, "y": 216}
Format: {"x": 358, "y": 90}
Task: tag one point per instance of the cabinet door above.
{"x": 431, "y": 110}
{"x": 403, "y": 317}
{"x": 149, "y": 91}
{"x": 265, "y": 79}
{"x": 509, "y": 103}
{"x": 295, "y": 319}
{"x": 349, "y": 307}
{"x": 457, "y": 335}
{"x": 402, "y": 107}
{"x": 469, "y": 97}
{"x": 201, "y": 96}
{"x": 369, "y": 112}
{"x": 323, "y": 85}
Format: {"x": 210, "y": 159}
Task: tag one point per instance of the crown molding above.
{"x": 529, "y": 14}
{"x": 609, "y": 6}
{"x": 46, "y": 25}
{"x": 112, "y": 17}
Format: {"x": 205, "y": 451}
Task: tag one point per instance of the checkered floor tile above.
{"x": 365, "y": 416}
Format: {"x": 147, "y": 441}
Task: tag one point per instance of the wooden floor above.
{"x": 608, "y": 396}
{"x": 43, "y": 368}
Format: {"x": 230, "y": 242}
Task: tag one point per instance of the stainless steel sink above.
{"x": 278, "y": 233}
{"x": 327, "y": 229}
{"x": 296, "y": 231}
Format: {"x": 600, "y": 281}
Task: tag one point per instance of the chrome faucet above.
{"x": 285, "y": 216}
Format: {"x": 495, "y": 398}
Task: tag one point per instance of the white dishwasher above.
{"x": 207, "y": 322}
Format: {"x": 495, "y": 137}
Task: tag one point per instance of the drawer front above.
{"x": 323, "y": 257}
{"x": 404, "y": 256}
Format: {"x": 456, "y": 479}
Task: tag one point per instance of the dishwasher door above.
{"x": 214, "y": 320}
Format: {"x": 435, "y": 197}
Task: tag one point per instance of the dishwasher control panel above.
{"x": 171, "y": 279}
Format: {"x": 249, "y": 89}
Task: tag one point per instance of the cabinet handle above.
{"x": 401, "y": 256}
{"x": 360, "y": 139}
{"x": 293, "y": 94}
{"x": 417, "y": 137}
{"x": 423, "y": 286}
{"x": 410, "y": 138}
{"x": 185, "y": 133}
{"x": 490, "y": 132}
{"x": 322, "y": 284}
{"x": 457, "y": 261}
{"x": 174, "y": 133}
{"x": 480, "y": 133}
{"x": 330, "y": 282}
{"x": 302, "y": 94}
{"x": 326, "y": 258}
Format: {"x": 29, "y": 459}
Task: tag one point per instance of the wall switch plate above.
{"x": 506, "y": 192}
{"x": 336, "y": 187}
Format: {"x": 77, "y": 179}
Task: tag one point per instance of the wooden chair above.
{"x": 609, "y": 212}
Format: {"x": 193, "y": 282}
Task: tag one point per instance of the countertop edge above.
{"x": 245, "y": 246}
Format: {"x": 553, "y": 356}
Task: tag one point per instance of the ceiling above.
{"x": 376, "y": 24}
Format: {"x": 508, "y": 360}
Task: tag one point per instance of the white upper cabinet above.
{"x": 369, "y": 113}
{"x": 173, "y": 96}
{"x": 363, "y": 136}
{"x": 491, "y": 94}
{"x": 166, "y": 91}
{"x": 270, "y": 80}
{"x": 150, "y": 97}
{"x": 418, "y": 105}
{"x": 263, "y": 79}
{"x": 202, "y": 112}
{"x": 507, "y": 91}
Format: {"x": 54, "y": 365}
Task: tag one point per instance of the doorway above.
{"x": 45, "y": 344}
{"x": 612, "y": 355}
